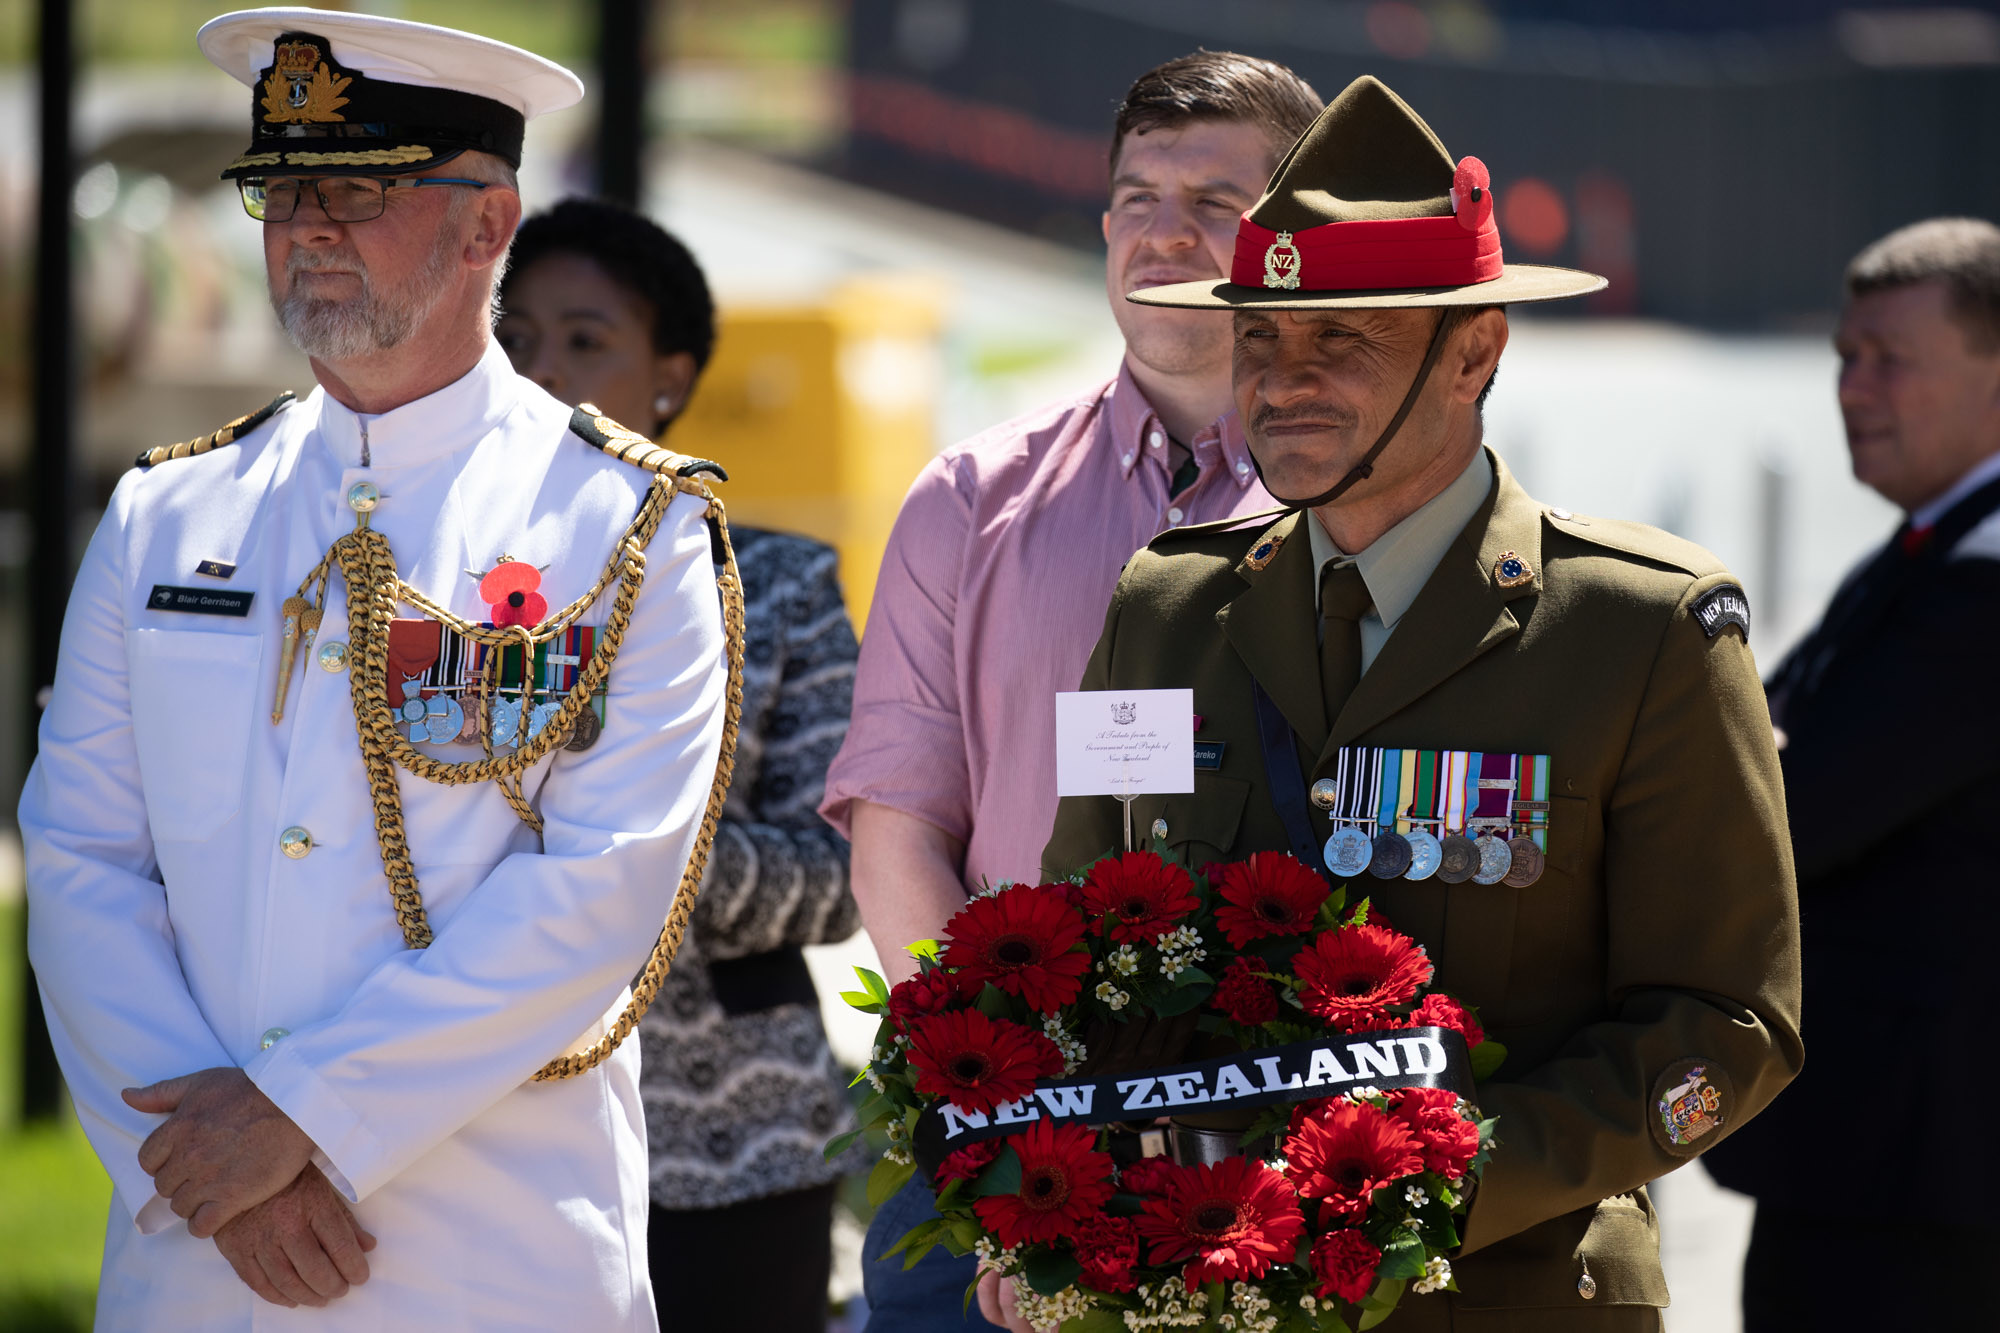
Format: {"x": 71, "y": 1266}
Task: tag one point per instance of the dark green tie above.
{"x": 1343, "y": 600}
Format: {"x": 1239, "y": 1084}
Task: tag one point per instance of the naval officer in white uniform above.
{"x": 309, "y": 1123}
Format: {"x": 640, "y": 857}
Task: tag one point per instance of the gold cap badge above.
{"x": 1281, "y": 263}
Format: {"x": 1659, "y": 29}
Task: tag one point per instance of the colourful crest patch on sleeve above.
{"x": 1692, "y": 1099}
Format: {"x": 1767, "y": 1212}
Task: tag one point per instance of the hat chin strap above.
{"x": 1361, "y": 471}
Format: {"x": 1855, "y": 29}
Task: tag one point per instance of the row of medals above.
{"x": 1419, "y": 854}
{"x": 441, "y": 719}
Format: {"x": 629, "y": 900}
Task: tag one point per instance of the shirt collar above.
{"x": 455, "y": 417}
{"x": 1136, "y": 434}
{"x": 1985, "y": 470}
{"x": 1397, "y": 564}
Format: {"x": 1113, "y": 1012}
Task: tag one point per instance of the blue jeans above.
{"x": 924, "y": 1299}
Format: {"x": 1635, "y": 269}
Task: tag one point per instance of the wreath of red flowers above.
{"x": 1335, "y": 1207}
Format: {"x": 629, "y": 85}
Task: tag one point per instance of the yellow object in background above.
{"x": 823, "y": 414}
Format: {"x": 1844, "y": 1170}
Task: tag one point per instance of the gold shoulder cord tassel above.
{"x": 373, "y": 591}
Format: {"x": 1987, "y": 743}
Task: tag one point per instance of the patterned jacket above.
{"x": 740, "y": 1089}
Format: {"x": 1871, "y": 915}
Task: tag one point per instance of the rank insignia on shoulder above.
{"x": 1720, "y": 607}
{"x": 1511, "y": 571}
{"x": 229, "y": 434}
{"x": 1265, "y": 551}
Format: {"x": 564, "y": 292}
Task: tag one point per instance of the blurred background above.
{"x": 897, "y": 203}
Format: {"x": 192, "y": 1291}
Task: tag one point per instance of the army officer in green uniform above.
{"x": 1640, "y": 961}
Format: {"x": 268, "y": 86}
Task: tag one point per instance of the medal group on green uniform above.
{"x": 1457, "y": 815}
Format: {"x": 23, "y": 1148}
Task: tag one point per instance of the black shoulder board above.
{"x": 227, "y": 435}
{"x": 1720, "y": 607}
{"x": 629, "y": 446}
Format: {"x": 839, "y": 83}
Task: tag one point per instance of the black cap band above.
{"x": 311, "y": 113}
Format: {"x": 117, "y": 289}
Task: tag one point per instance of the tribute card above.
{"x": 1124, "y": 742}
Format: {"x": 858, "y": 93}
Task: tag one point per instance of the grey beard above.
{"x": 329, "y": 330}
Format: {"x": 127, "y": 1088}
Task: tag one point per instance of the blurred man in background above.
{"x": 996, "y": 577}
{"x": 1891, "y": 752}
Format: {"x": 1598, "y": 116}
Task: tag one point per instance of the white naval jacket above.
{"x": 170, "y": 934}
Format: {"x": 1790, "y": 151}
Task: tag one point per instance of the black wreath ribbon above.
{"x": 1303, "y": 1071}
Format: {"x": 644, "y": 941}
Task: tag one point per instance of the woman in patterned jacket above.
{"x": 602, "y": 306}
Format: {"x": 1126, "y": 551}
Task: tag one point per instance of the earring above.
{"x": 663, "y": 404}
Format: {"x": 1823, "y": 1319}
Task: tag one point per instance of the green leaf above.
{"x": 1002, "y": 1177}
{"x": 1329, "y": 911}
{"x": 1487, "y": 1057}
{"x": 1402, "y": 1258}
{"x": 1359, "y": 916}
{"x": 926, "y": 951}
{"x": 863, "y": 1001}
{"x": 1183, "y": 998}
{"x": 872, "y": 982}
{"x": 1269, "y": 1121}
{"x": 1190, "y": 976}
{"x": 1051, "y": 1270}
{"x": 1381, "y": 1303}
{"x": 1125, "y": 1205}
{"x": 917, "y": 1253}
{"x": 839, "y": 1144}
{"x": 1097, "y": 1319}
{"x": 919, "y": 1234}
{"x": 993, "y": 1002}
{"x": 886, "y": 1179}
{"x": 966, "y": 1232}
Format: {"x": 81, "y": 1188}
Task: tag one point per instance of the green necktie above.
{"x": 1343, "y": 600}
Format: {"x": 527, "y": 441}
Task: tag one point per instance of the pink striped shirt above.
{"x": 991, "y": 596}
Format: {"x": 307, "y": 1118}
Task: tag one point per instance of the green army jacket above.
{"x": 1665, "y": 927}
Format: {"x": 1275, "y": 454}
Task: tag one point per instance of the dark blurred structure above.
{"x": 622, "y": 69}
{"x": 1719, "y": 161}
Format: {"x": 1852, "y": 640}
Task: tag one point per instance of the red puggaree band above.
{"x": 1363, "y": 256}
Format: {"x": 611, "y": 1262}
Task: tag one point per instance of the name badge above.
{"x": 1208, "y": 755}
{"x": 200, "y": 601}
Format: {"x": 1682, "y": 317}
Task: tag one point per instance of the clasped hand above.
{"x": 237, "y": 1168}
{"x": 225, "y": 1147}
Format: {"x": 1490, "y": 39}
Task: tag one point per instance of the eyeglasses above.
{"x": 342, "y": 198}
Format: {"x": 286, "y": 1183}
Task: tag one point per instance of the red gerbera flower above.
{"x": 1344, "y": 1151}
{"x": 1345, "y": 1264}
{"x": 926, "y": 993}
{"x": 1244, "y": 996}
{"x": 1108, "y": 1249}
{"x": 1271, "y": 893}
{"x": 1148, "y": 1175}
{"x": 1064, "y": 1180}
{"x": 1353, "y": 975}
{"x": 978, "y": 1062}
{"x": 1441, "y": 1011}
{"x": 1144, "y": 896}
{"x": 1447, "y": 1139}
{"x": 966, "y": 1163}
{"x": 1023, "y": 941}
{"x": 1233, "y": 1219}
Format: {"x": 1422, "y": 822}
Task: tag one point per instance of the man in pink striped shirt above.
{"x": 1003, "y": 559}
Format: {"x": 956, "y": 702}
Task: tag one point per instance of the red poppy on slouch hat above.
{"x": 359, "y": 95}
{"x": 1368, "y": 210}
